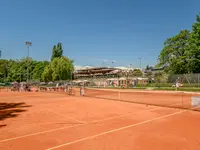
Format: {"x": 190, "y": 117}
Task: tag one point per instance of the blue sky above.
{"x": 93, "y": 30}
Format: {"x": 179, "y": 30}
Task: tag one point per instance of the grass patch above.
{"x": 180, "y": 89}
{"x": 187, "y": 89}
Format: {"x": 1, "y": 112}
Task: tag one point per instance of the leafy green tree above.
{"x": 193, "y": 54}
{"x": 14, "y": 71}
{"x": 3, "y": 69}
{"x": 57, "y": 51}
{"x": 60, "y": 49}
{"x": 174, "y": 53}
{"x": 181, "y": 53}
{"x": 39, "y": 69}
{"x": 62, "y": 68}
{"x": 160, "y": 77}
{"x": 147, "y": 67}
{"x": 47, "y": 74}
{"x": 59, "y": 69}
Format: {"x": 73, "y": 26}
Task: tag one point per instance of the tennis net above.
{"x": 164, "y": 99}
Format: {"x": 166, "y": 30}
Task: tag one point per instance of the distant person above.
{"x": 26, "y": 86}
{"x": 133, "y": 83}
{"x": 82, "y": 91}
{"x": 65, "y": 87}
{"x": 57, "y": 85}
{"x": 177, "y": 83}
{"x": 22, "y": 87}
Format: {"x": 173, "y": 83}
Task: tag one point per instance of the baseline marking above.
{"x": 115, "y": 130}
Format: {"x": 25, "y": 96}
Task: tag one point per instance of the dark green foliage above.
{"x": 57, "y": 51}
{"x": 60, "y": 68}
{"x": 16, "y": 70}
{"x": 39, "y": 69}
{"x": 181, "y": 53}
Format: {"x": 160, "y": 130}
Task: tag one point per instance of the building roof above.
{"x": 96, "y": 70}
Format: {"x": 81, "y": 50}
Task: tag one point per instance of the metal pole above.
{"x": 28, "y": 64}
{"x": 28, "y": 44}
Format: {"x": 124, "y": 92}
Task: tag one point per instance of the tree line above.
{"x": 59, "y": 68}
{"x": 181, "y": 52}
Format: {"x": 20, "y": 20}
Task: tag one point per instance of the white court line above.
{"x": 62, "y": 128}
{"x": 37, "y": 133}
{"x": 65, "y": 116}
{"x": 119, "y": 129}
{"x": 115, "y": 130}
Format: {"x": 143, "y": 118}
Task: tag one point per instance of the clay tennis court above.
{"x": 56, "y": 121}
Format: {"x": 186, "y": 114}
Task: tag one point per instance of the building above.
{"x": 154, "y": 70}
{"x": 96, "y": 72}
{"x": 106, "y": 76}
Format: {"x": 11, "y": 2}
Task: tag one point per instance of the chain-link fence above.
{"x": 191, "y": 80}
{"x": 188, "y": 82}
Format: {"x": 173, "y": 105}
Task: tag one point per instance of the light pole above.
{"x": 28, "y": 44}
{"x": 0, "y": 53}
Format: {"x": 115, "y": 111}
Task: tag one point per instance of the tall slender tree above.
{"x": 57, "y": 51}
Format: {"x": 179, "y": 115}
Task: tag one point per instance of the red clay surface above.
{"x": 48, "y": 121}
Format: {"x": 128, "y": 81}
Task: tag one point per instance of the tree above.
{"x": 194, "y": 48}
{"x": 57, "y": 51}
{"x": 174, "y": 53}
{"x": 62, "y": 68}
{"x": 39, "y": 69}
{"x": 60, "y": 49}
{"x": 14, "y": 71}
{"x": 147, "y": 67}
{"x": 59, "y": 69}
{"x": 160, "y": 77}
{"x": 181, "y": 53}
{"x": 3, "y": 69}
{"x": 47, "y": 74}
